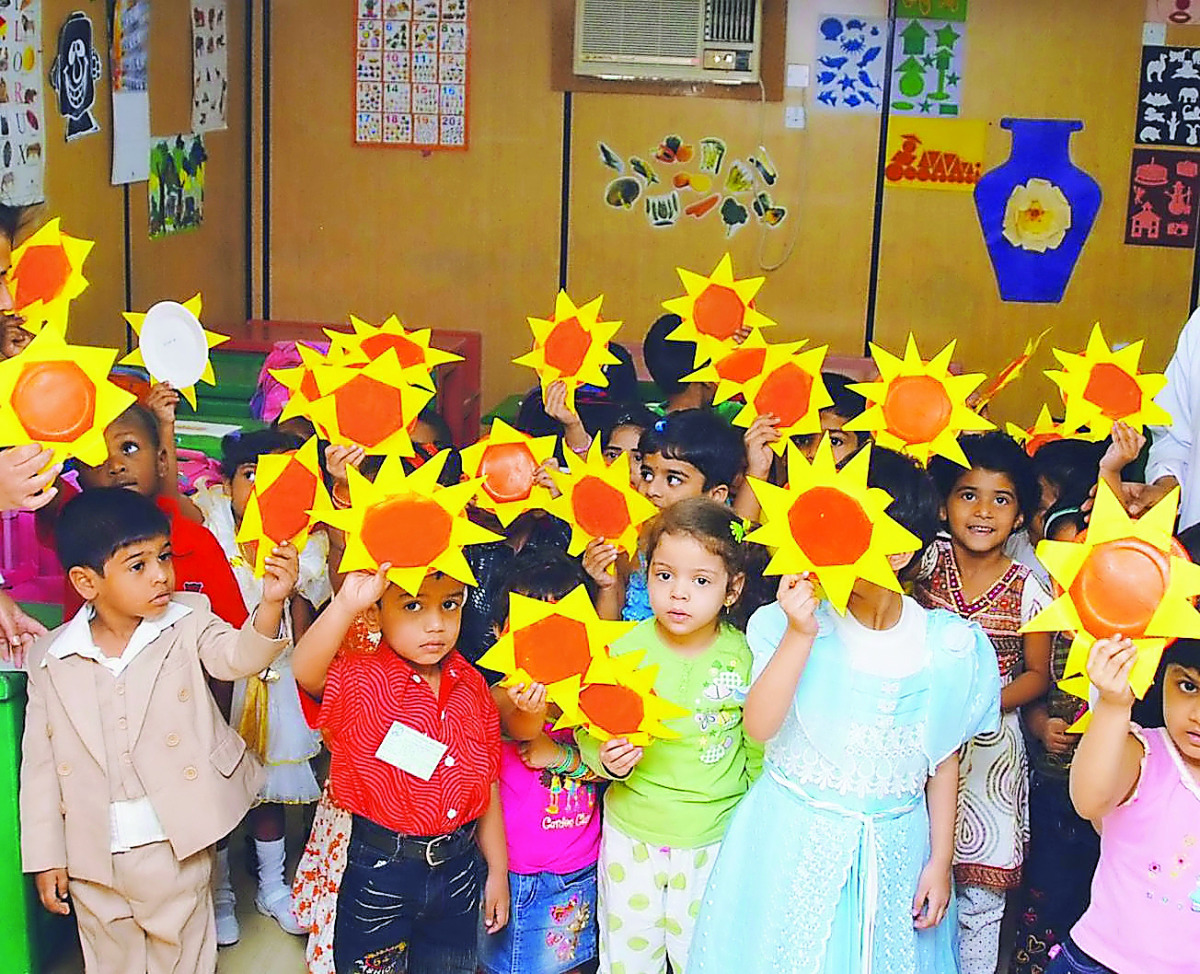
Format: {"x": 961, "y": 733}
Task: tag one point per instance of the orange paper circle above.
{"x": 407, "y": 531}
{"x": 917, "y": 408}
{"x": 507, "y": 469}
{"x": 284, "y": 506}
{"x": 786, "y": 393}
{"x": 55, "y": 401}
{"x": 1119, "y": 587}
{"x": 407, "y": 351}
{"x": 368, "y": 410}
{"x": 718, "y": 311}
{"x": 830, "y": 527}
{"x": 42, "y": 274}
{"x": 599, "y": 508}
{"x": 309, "y": 388}
{"x": 1035, "y": 443}
{"x": 1114, "y": 390}
{"x": 741, "y": 365}
{"x": 567, "y": 346}
{"x": 552, "y": 649}
{"x": 615, "y": 709}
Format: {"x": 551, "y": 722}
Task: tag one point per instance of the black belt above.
{"x": 433, "y": 850}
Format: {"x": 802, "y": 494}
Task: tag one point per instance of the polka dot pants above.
{"x": 649, "y": 898}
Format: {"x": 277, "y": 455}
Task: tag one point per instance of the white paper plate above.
{"x": 173, "y": 345}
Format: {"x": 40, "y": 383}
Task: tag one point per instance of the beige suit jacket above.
{"x": 194, "y": 766}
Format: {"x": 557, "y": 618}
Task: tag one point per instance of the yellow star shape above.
{"x": 789, "y": 386}
{"x": 714, "y": 309}
{"x": 148, "y": 320}
{"x": 1043, "y": 431}
{"x": 1121, "y": 577}
{"x": 918, "y": 407}
{"x": 506, "y": 460}
{"x": 288, "y": 497}
{"x": 367, "y": 342}
{"x": 410, "y": 521}
{"x": 46, "y": 276}
{"x": 59, "y": 396}
{"x": 572, "y": 346}
{"x": 598, "y": 502}
{"x": 1101, "y": 387}
{"x": 830, "y": 523}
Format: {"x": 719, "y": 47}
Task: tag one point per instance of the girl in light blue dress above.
{"x": 838, "y": 860}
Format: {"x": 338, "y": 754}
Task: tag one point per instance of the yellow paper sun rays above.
{"x": 1124, "y": 578}
{"x": 287, "y": 498}
{"x": 733, "y": 369}
{"x": 300, "y": 380}
{"x": 409, "y": 521}
{"x": 1009, "y": 373}
{"x": 368, "y": 342}
{"x": 506, "y": 460}
{"x": 1100, "y": 387}
{"x": 1043, "y": 431}
{"x": 918, "y": 407}
{"x": 829, "y": 522}
{"x": 138, "y": 321}
{"x": 572, "y": 346}
{"x": 714, "y": 309}
{"x": 46, "y": 276}
{"x": 598, "y": 502}
{"x": 790, "y": 387}
{"x": 59, "y": 396}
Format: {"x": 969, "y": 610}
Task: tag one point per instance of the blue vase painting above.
{"x": 1036, "y": 210}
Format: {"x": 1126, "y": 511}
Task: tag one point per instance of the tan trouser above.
{"x": 157, "y": 917}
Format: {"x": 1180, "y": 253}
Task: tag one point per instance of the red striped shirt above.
{"x": 365, "y": 693}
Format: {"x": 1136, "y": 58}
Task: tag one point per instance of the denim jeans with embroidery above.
{"x": 551, "y": 927}
{"x": 1072, "y": 960}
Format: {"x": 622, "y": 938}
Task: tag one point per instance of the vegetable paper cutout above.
{"x": 572, "y": 346}
{"x": 506, "y": 461}
{"x": 789, "y": 386}
{"x": 46, "y": 276}
{"x": 597, "y": 501}
{"x": 145, "y": 324}
{"x": 1010, "y": 373}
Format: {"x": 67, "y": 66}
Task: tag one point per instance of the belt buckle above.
{"x": 429, "y": 847}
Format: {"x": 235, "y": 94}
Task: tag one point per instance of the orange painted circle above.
{"x": 41, "y": 275}
{"x": 830, "y": 527}
{"x": 408, "y": 531}
{"x": 718, "y": 311}
{"x": 55, "y": 401}
{"x": 369, "y": 411}
{"x": 567, "y": 346}
{"x": 741, "y": 365}
{"x": 309, "y": 388}
{"x": 917, "y": 408}
{"x": 284, "y": 505}
{"x": 507, "y": 469}
{"x": 552, "y": 649}
{"x": 1119, "y": 587}
{"x": 786, "y": 392}
{"x": 1113, "y": 390}
{"x": 408, "y": 351}
{"x": 617, "y": 710}
{"x": 599, "y": 508}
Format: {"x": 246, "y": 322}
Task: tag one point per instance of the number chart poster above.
{"x": 410, "y": 87}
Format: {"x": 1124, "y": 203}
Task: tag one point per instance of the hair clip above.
{"x": 738, "y": 530}
{"x": 660, "y": 425}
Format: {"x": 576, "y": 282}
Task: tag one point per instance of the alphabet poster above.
{"x": 1164, "y": 193}
{"x": 411, "y": 84}
{"x": 73, "y": 75}
{"x": 928, "y": 68}
{"x": 849, "y": 68}
{"x": 1168, "y": 110}
{"x": 22, "y": 142}
{"x": 129, "y": 59}
{"x": 210, "y": 72}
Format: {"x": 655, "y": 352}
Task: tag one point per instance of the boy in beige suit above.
{"x": 129, "y": 773}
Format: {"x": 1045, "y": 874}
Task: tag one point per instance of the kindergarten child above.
{"x": 838, "y": 861}
{"x": 667, "y": 807}
{"x": 972, "y": 576}
{"x": 129, "y": 773}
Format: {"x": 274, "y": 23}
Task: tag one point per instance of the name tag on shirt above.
{"x": 411, "y": 751}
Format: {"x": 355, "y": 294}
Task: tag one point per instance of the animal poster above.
{"x": 1164, "y": 193}
{"x": 22, "y": 128}
{"x": 929, "y": 153}
{"x": 411, "y": 73}
{"x": 927, "y": 71}
{"x": 935, "y": 9}
{"x": 210, "y": 66}
{"x": 1172, "y": 11}
{"x": 176, "y": 183}
{"x": 1168, "y": 110}
{"x": 73, "y": 76}
{"x": 850, "y": 60}
{"x": 129, "y": 60}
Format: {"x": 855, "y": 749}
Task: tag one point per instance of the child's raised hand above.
{"x": 933, "y": 896}
{"x": 541, "y": 752}
{"x": 496, "y": 900}
{"x": 528, "y": 698}
{"x": 619, "y": 756}
{"x": 758, "y": 439}
{"x": 741, "y": 334}
{"x": 17, "y": 629}
{"x": 338, "y": 458}
{"x": 598, "y": 557}
{"x": 556, "y": 404}
{"x": 362, "y": 589}
{"x": 25, "y": 479}
{"x": 162, "y": 402}
{"x": 542, "y": 477}
{"x": 52, "y": 890}
{"x": 1109, "y": 664}
{"x": 798, "y": 598}
{"x": 1126, "y": 444}
{"x": 282, "y": 570}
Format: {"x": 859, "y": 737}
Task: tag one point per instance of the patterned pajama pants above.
{"x": 980, "y": 914}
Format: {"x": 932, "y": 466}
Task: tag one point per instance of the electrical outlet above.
{"x": 797, "y": 75}
{"x": 793, "y": 117}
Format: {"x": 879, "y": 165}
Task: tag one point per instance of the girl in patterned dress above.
{"x": 969, "y": 574}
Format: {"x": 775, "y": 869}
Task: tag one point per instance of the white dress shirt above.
{"x": 1175, "y": 450}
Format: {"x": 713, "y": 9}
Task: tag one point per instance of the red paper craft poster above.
{"x": 1164, "y": 193}
{"x": 410, "y": 75}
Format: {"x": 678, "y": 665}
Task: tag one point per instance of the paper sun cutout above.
{"x": 552, "y": 643}
{"x": 714, "y": 309}
{"x": 1101, "y": 387}
{"x": 829, "y": 522}
{"x": 288, "y": 496}
{"x": 598, "y": 502}
{"x": 918, "y": 407}
{"x": 507, "y": 460}
{"x": 789, "y": 386}
{"x": 173, "y": 346}
{"x": 1009, "y": 374}
{"x": 59, "y": 396}
{"x": 301, "y": 381}
{"x": 367, "y": 342}
{"x": 733, "y": 369}
{"x": 46, "y": 276}
{"x": 1044, "y": 431}
{"x": 409, "y": 521}
{"x": 572, "y": 346}
{"x": 1123, "y": 577}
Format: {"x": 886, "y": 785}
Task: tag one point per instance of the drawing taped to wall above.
{"x": 176, "y": 184}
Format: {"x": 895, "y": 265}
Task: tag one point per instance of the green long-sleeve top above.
{"x": 684, "y": 790}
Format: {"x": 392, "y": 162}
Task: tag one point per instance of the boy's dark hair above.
{"x": 240, "y": 447}
{"x": 1069, "y": 466}
{"x": 442, "y": 437}
{"x": 994, "y": 452}
{"x": 668, "y": 361}
{"x": 631, "y": 414}
{"x": 140, "y": 416}
{"x": 13, "y": 220}
{"x": 846, "y": 402}
{"x": 916, "y": 503}
{"x": 540, "y": 573}
{"x": 96, "y": 524}
{"x": 699, "y": 437}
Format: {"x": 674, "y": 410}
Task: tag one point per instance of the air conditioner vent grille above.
{"x": 729, "y": 21}
{"x": 641, "y": 28}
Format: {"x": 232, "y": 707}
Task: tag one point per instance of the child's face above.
{"x": 1047, "y": 499}
{"x": 421, "y": 628}
{"x": 624, "y": 439}
{"x": 688, "y": 586}
{"x": 240, "y": 487}
{"x": 1181, "y": 710}
{"x": 138, "y": 580}
{"x": 666, "y": 480}
{"x": 844, "y": 443}
{"x": 982, "y": 511}
{"x": 133, "y": 461}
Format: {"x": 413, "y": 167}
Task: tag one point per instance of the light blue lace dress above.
{"x": 820, "y": 864}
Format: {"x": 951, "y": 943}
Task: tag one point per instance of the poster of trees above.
{"x": 176, "y": 183}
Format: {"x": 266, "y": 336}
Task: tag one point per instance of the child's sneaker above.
{"x": 274, "y": 898}
{"x": 224, "y": 902}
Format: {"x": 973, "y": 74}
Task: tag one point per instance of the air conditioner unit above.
{"x": 672, "y": 40}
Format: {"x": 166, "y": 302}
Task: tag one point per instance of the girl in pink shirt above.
{"x": 1141, "y": 788}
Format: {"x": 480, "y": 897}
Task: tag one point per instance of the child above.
{"x": 129, "y": 773}
{"x": 289, "y": 742}
{"x": 415, "y": 745}
{"x": 982, "y": 507}
{"x": 1141, "y": 789}
{"x": 666, "y": 810}
{"x": 13, "y": 335}
{"x": 669, "y": 362}
{"x": 839, "y": 859}
{"x": 551, "y": 815}
{"x": 624, "y": 435}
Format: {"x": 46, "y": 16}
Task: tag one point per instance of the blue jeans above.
{"x": 1072, "y": 960}
{"x": 402, "y": 916}
{"x": 551, "y": 927}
